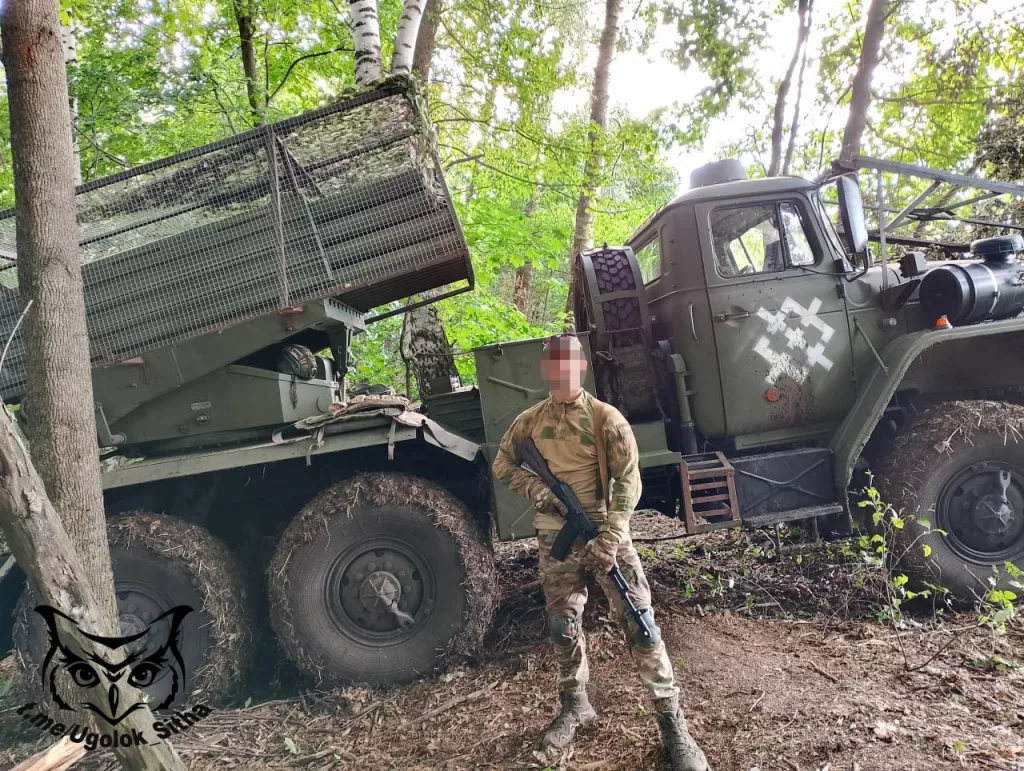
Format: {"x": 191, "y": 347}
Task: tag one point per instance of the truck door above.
{"x": 779, "y": 317}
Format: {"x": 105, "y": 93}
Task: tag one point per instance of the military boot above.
{"x": 576, "y": 713}
{"x": 682, "y": 749}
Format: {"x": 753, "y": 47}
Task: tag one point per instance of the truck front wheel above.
{"x": 381, "y": 579}
{"x": 958, "y": 470}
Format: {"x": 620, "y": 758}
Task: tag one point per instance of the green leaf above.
{"x": 927, "y": 550}
{"x": 291, "y": 746}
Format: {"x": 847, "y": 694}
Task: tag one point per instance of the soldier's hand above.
{"x": 546, "y": 502}
{"x": 599, "y": 554}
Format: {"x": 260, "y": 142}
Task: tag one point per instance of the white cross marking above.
{"x": 795, "y": 339}
{"x": 779, "y": 363}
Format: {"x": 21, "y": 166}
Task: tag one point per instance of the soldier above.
{"x": 590, "y": 446}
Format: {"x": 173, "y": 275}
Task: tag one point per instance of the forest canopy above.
{"x": 510, "y": 85}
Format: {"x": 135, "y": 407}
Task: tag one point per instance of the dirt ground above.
{"x": 782, "y": 662}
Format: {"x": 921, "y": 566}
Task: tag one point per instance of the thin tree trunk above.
{"x": 426, "y": 38}
{"x": 366, "y": 39}
{"x": 405, "y": 38}
{"x": 59, "y": 374}
{"x": 787, "y": 165}
{"x": 257, "y": 103}
{"x": 860, "y": 91}
{"x": 424, "y": 346}
{"x": 524, "y": 274}
{"x": 70, "y": 46}
{"x": 65, "y": 556}
{"x": 521, "y": 294}
{"x": 583, "y": 238}
{"x": 779, "y": 121}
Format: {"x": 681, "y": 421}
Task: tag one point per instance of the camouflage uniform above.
{"x": 564, "y": 434}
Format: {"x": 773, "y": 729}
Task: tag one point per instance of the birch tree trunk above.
{"x": 860, "y": 91}
{"x": 257, "y": 99}
{"x": 779, "y": 121}
{"x": 65, "y": 556}
{"x": 426, "y": 38}
{"x": 583, "y": 237}
{"x": 405, "y": 38}
{"x": 424, "y": 345}
{"x": 366, "y": 39}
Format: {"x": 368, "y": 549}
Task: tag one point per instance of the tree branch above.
{"x": 291, "y": 67}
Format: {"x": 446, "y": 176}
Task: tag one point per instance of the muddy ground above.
{"x": 783, "y": 662}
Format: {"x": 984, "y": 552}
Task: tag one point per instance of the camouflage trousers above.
{"x": 565, "y": 596}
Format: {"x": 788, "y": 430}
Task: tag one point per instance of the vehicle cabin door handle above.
{"x": 732, "y": 316}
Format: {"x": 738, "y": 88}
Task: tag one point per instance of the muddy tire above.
{"x": 160, "y": 562}
{"x": 361, "y": 545}
{"x": 950, "y": 468}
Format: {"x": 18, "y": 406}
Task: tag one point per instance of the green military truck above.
{"x": 764, "y": 363}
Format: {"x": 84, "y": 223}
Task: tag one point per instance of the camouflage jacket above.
{"x": 564, "y": 434}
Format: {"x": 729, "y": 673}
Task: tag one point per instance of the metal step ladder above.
{"x": 709, "y": 493}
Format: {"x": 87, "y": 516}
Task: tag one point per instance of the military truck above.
{"x": 765, "y": 363}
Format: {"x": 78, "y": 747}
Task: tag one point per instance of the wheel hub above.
{"x": 981, "y": 511}
{"x": 138, "y": 606}
{"x": 381, "y": 591}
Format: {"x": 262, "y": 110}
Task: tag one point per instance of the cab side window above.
{"x": 649, "y": 260}
{"x": 765, "y": 238}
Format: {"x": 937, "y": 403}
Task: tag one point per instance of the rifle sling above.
{"x": 600, "y": 413}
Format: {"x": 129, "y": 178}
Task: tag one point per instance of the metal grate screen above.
{"x": 348, "y": 201}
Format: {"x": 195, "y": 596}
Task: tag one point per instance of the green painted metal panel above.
{"x": 853, "y": 433}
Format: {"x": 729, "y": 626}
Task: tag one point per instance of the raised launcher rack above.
{"x": 345, "y": 202}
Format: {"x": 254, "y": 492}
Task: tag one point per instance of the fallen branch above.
{"x": 823, "y": 673}
{"x": 62, "y": 755}
{"x": 453, "y": 703}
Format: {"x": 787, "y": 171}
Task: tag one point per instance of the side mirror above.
{"x": 851, "y": 214}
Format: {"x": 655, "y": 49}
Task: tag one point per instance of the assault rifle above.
{"x": 577, "y": 525}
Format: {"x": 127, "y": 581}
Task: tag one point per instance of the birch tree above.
{"x": 583, "y": 238}
{"x": 366, "y": 39}
{"x": 405, "y": 38}
{"x": 55, "y": 520}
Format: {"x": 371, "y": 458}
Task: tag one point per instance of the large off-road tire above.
{"x": 944, "y": 473}
{"x": 381, "y": 534}
{"x": 161, "y": 562}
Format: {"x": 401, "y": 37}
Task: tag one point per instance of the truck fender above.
{"x": 896, "y": 359}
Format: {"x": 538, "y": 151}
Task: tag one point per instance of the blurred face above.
{"x": 563, "y": 365}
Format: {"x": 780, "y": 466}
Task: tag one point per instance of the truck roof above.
{"x": 736, "y": 189}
